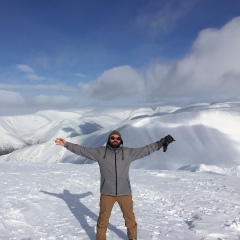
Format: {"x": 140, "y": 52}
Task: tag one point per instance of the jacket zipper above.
{"x": 116, "y": 170}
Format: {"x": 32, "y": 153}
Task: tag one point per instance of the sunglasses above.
{"x": 113, "y": 138}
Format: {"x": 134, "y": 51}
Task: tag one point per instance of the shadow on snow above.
{"x": 80, "y": 212}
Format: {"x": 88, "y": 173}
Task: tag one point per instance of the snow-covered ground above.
{"x": 191, "y": 192}
{"x": 60, "y": 201}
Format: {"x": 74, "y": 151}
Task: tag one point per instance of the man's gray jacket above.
{"x": 114, "y": 168}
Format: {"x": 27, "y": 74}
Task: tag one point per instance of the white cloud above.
{"x": 209, "y": 72}
{"x": 49, "y": 87}
{"x": 210, "y": 69}
{"x": 78, "y": 75}
{"x": 24, "y": 68}
{"x": 34, "y": 77}
{"x": 52, "y": 101}
{"x": 8, "y": 98}
{"x": 162, "y": 16}
{"x": 75, "y": 75}
{"x": 29, "y": 73}
{"x": 115, "y": 83}
{"x": 13, "y": 103}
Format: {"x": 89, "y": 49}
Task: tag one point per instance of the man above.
{"x": 114, "y": 161}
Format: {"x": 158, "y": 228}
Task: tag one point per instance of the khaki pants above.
{"x": 106, "y": 205}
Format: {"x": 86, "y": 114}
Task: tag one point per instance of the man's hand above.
{"x": 60, "y": 141}
{"x": 168, "y": 139}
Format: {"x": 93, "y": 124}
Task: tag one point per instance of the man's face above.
{"x": 115, "y": 141}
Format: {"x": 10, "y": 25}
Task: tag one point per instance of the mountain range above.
{"x": 205, "y": 133}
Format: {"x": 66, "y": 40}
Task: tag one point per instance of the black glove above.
{"x": 168, "y": 139}
{"x": 160, "y": 143}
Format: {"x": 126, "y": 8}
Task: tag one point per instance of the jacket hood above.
{"x": 113, "y": 149}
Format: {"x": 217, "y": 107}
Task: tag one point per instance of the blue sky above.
{"x": 64, "y": 54}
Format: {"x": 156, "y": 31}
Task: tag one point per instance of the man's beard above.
{"x": 114, "y": 144}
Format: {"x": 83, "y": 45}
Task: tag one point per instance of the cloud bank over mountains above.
{"x": 115, "y": 83}
{"x": 211, "y": 67}
{"x": 208, "y": 72}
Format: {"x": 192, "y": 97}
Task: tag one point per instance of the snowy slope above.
{"x": 15, "y": 130}
{"x": 200, "y": 201}
{"x": 205, "y": 133}
{"x": 60, "y": 202}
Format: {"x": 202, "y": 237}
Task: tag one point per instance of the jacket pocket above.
{"x": 129, "y": 185}
{"x": 103, "y": 183}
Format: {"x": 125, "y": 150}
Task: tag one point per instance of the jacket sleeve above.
{"x": 91, "y": 153}
{"x": 137, "y": 153}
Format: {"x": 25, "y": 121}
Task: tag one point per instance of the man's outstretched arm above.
{"x": 137, "y": 153}
{"x": 91, "y": 153}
